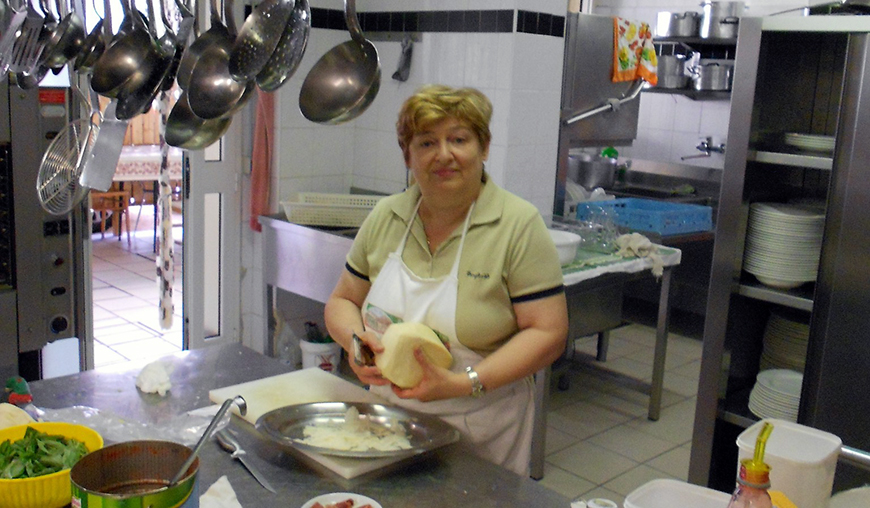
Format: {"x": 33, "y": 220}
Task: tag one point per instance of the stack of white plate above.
{"x": 776, "y": 394}
{"x": 810, "y": 142}
{"x": 783, "y": 243}
{"x": 785, "y": 343}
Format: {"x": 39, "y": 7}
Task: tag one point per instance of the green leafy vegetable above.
{"x": 38, "y": 454}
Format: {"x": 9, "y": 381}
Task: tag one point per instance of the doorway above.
{"x": 126, "y": 295}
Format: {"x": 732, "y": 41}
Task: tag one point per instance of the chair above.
{"x": 118, "y": 203}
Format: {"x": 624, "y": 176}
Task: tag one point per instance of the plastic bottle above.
{"x": 610, "y": 152}
{"x": 754, "y": 477}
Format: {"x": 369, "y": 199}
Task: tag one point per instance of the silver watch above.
{"x": 477, "y": 388}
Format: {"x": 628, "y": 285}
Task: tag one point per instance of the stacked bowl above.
{"x": 783, "y": 243}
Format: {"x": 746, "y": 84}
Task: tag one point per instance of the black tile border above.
{"x": 473, "y": 21}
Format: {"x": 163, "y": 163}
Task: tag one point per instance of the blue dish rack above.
{"x": 659, "y": 217}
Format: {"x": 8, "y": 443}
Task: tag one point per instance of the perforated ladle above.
{"x": 243, "y": 409}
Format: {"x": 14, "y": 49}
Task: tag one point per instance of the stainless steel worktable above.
{"x": 449, "y": 477}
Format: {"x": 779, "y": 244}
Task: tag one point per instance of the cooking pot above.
{"x": 712, "y": 74}
{"x": 720, "y": 19}
{"x": 135, "y": 474}
{"x": 678, "y": 24}
{"x": 591, "y": 171}
{"x": 671, "y": 71}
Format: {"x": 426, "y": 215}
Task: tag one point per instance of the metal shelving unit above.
{"x": 822, "y": 91}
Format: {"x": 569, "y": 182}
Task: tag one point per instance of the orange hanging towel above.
{"x": 634, "y": 56}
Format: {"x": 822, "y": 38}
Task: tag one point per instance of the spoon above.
{"x": 243, "y": 409}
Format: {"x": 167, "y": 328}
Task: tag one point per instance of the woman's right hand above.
{"x": 370, "y": 375}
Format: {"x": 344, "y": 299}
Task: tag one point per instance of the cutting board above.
{"x": 302, "y": 387}
{"x": 297, "y": 387}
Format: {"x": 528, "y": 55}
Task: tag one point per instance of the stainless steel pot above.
{"x": 712, "y": 75}
{"x": 135, "y": 474}
{"x": 720, "y": 19}
{"x": 678, "y": 24}
{"x": 671, "y": 71}
{"x": 591, "y": 171}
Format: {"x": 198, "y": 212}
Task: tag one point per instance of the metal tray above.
{"x": 285, "y": 426}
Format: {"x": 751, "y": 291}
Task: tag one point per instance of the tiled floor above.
{"x": 126, "y": 298}
{"x": 599, "y": 440}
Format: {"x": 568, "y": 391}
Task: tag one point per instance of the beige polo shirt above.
{"x": 508, "y": 257}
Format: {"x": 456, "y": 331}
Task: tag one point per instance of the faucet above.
{"x": 707, "y": 147}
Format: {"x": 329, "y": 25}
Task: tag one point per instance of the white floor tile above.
{"x": 627, "y": 441}
{"x": 563, "y": 482}
{"x": 627, "y": 482}
{"x": 591, "y": 462}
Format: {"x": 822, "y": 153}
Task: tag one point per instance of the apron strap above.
{"x": 454, "y": 271}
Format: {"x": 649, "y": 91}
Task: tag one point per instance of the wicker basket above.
{"x": 321, "y": 209}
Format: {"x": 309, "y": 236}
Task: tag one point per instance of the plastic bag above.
{"x": 186, "y": 428}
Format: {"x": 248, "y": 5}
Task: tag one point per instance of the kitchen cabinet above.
{"x": 792, "y": 75}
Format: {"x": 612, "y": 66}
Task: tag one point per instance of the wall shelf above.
{"x": 803, "y": 160}
{"x": 695, "y": 95}
{"x": 799, "y": 298}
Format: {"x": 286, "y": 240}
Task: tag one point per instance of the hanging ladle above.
{"x": 287, "y": 55}
{"x": 243, "y": 409}
{"x": 66, "y": 40}
{"x": 126, "y": 64}
{"x": 213, "y": 92}
{"x": 345, "y": 81}
{"x": 258, "y": 37}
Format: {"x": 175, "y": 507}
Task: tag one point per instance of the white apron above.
{"x": 496, "y": 426}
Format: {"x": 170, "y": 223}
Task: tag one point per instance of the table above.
{"x": 448, "y": 478}
{"x": 140, "y": 163}
{"x": 308, "y": 261}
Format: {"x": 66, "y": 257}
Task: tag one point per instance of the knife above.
{"x": 229, "y": 443}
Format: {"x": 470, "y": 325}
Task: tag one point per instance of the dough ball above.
{"x": 11, "y": 415}
{"x": 397, "y": 362}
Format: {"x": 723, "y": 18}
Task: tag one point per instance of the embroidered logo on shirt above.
{"x": 476, "y": 275}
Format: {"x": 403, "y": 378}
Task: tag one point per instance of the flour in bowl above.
{"x": 357, "y": 433}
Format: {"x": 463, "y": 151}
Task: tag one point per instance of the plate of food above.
{"x": 341, "y": 500}
{"x": 356, "y": 429}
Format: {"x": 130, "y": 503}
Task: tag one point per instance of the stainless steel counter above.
{"x": 447, "y": 478}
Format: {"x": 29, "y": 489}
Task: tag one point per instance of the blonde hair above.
{"x": 433, "y": 103}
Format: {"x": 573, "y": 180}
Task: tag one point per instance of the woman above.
{"x": 471, "y": 261}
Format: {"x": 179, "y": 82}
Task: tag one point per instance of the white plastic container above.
{"x": 802, "y": 460}
{"x": 666, "y": 493}
{"x": 325, "y": 356}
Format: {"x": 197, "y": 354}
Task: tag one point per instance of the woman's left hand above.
{"x": 438, "y": 383}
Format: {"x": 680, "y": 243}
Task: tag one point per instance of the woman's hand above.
{"x": 438, "y": 383}
{"x": 370, "y": 375}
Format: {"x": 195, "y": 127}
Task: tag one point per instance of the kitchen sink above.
{"x": 662, "y": 194}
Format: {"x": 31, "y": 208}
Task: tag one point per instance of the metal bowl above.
{"x": 425, "y": 432}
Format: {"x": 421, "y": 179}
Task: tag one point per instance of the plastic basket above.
{"x": 320, "y": 198}
{"x": 659, "y": 217}
{"x": 321, "y": 209}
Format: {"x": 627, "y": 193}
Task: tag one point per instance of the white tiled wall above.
{"x": 520, "y": 73}
{"x": 671, "y": 126}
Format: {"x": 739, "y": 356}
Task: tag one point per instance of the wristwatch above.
{"x": 477, "y": 388}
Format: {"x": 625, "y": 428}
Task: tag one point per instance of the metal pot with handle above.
{"x": 672, "y": 71}
{"x": 713, "y": 75}
{"x": 592, "y": 171}
{"x": 678, "y": 24}
{"x": 720, "y": 19}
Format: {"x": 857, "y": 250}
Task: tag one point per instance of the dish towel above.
{"x": 261, "y": 159}
{"x": 634, "y": 56}
{"x": 636, "y": 245}
{"x": 166, "y": 245}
